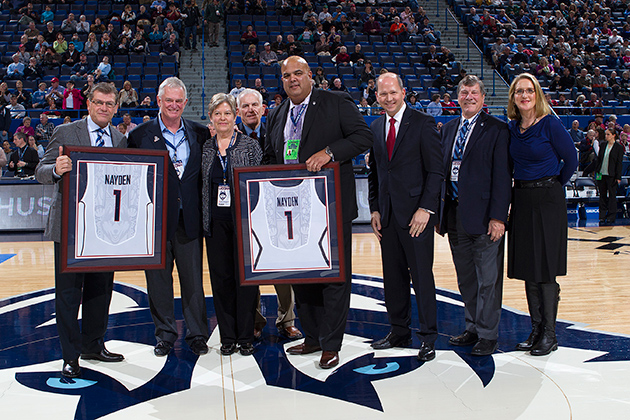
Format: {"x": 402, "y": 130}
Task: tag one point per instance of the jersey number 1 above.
{"x": 289, "y": 224}
{"x": 117, "y": 194}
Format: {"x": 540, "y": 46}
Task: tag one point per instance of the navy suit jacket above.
{"x": 485, "y": 175}
{"x": 261, "y": 138}
{"x": 186, "y": 190}
{"x": 333, "y": 120}
{"x": 413, "y": 177}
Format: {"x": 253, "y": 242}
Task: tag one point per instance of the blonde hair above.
{"x": 542, "y": 106}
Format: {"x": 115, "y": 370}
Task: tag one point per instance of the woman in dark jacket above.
{"x": 608, "y": 172}
{"x": 234, "y": 304}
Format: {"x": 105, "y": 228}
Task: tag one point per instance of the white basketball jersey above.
{"x": 115, "y": 216}
{"x": 288, "y": 228}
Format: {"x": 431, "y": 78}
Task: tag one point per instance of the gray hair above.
{"x": 104, "y": 88}
{"x": 471, "y": 80}
{"x": 246, "y": 92}
{"x": 172, "y": 82}
{"x": 219, "y": 99}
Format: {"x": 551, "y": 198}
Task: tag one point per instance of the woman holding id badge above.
{"x": 235, "y": 305}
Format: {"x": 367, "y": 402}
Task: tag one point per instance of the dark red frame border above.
{"x": 337, "y": 214}
{"x": 66, "y": 200}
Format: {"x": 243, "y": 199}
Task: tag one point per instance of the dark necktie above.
{"x": 458, "y": 152}
{"x": 100, "y": 141}
{"x": 391, "y": 137}
{"x": 254, "y": 135}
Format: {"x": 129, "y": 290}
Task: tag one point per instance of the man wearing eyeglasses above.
{"x": 474, "y": 208}
{"x": 93, "y": 290}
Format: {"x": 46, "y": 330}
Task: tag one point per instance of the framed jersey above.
{"x": 288, "y": 223}
{"x": 114, "y": 210}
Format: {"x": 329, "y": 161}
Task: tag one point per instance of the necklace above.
{"x": 523, "y": 129}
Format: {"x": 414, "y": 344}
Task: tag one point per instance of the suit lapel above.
{"x": 81, "y": 131}
{"x": 309, "y": 117}
{"x": 402, "y": 130}
{"x": 278, "y": 134}
{"x": 475, "y": 135}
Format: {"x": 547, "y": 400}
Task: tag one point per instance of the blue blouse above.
{"x": 540, "y": 151}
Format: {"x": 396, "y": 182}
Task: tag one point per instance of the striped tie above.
{"x": 458, "y": 152}
{"x": 100, "y": 142}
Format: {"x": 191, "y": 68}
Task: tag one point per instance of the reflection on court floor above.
{"x": 585, "y": 378}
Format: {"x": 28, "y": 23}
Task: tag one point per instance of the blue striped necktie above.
{"x": 458, "y": 152}
{"x": 100, "y": 142}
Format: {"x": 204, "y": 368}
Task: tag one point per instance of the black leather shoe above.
{"x": 246, "y": 349}
{"x": 466, "y": 338}
{"x": 484, "y": 347}
{"x": 427, "y": 352}
{"x": 162, "y": 348}
{"x": 391, "y": 340}
{"x": 199, "y": 346}
{"x": 104, "y": 356}
{"x": 71, "y": 369}
{"x": 227, "y": 349}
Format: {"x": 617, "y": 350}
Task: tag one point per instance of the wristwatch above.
{"x": 330, "y": 153}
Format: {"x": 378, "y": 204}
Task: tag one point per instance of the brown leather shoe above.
{"x": 303, "y": 349}
{"x": 257, "y": 333}
{"x": 291, "y": 332}
{"x": 329, "y": 359}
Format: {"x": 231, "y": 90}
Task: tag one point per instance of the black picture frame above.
{"x": 279, "y": 204}
{"x": 121, "y": 231}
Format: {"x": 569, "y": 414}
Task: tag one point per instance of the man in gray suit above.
{"x": 94, "y": 290}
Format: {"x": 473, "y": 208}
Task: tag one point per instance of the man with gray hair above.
{"x": 250, "y": 110}
{"x": 182, "y": 139}
{"x": 474, "y": 209}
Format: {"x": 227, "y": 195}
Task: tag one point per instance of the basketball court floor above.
{"x": 587, "y": 378}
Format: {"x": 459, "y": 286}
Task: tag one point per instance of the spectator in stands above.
{"x": 430, "y": 34}
{"x": 318, "y": 76}
{"x": 338, "y": 86}
{"x": 397, "y": 30}
{"x": 567, "y": 81}
{"x": 28, "y": 15}
{"x": 23, "y": 55}
{"x": 52, "y": 110}
{"x": 128, "y": 96}
{"x": 129, "y": 125}
{"x": 412, "y": 102}
{"x": 322, "y": 47}
{"x": 147, "y": 104}
{"x": 5, "y": 95}
{"x": 155, "y": 36}
{"x": 259, "y": 7}
{"x": 576, "y": 134}
{"x": 41, "y": 45}
{"x": 32, "y": 32}
{"x": 443, "y": 81}
{"x": 78, "y": 44}
{"x": 69, "y": 25}
{"x": 279, "y": 46}
{"x": 434, "y": 108}
{"x": 60, "y": 45}
{"x": 544, "y": 69}
{"x": 83, "y": 26}
{"x": 238, "y": 88}
{"x": 32, "y": 143}
{"x": 430, "y": 58}
{"x": 584, "y": 82}
{"x": 15, "y": 70}
{"x": 126, "y": 32}
{"x": 520, "y": 59}
{"x": 91, "y": 46}
{"x": 343, "y": 58}
{"x": 50, "y": 34}
{"x": 448, "y": 106}
{"x": 267, "y": 56}
{"x": 171, "y": 47}
{"x": 232, "y": 7}
{"x": 23, "y": 96}
{"x": 579, "y": 106}
{"x": 294, "y": 48}
{"x": 594, "y": 105}
{"x": 357, "y": 57}
{"x": 70, "y": 57}
{"x": 306, "y": 37}
{"x": 39, "y": 96}
{"x": 47, "y": 15}
{"x": 213, "y": 16}
{"x": 128, "y": 15}
{"x": 277, "y": 100}
{"x": 372, "y": 26}
{"x": 24, "y": 160}
{"x": 369, "y": 93}
{"x": 139, "y": 45}
{"x": 173, "y": 16}
{"x": 17, "y": 110}
{"x": 44, "y": 130}
{"x": 249, "y": 36}
{"x": 190, "y": 21}
{"x": 26, "y": 127}
{"x": 169, "y": 30}
{"x": 258, "y": 86}
{"x": 122, "y": 129}
{"x": 251, "y": 58}
{"x": 5, "y": 123}
{"x": 143, "y": 17}
{"x": 158, "y": 3}
{"x": 600, "y": 82}
{"x": 103, "y": 70}
{"x": 72, "y": 98}
{"x": 324, "y": 14}
{"x": 87, "y": 88}
{"x": 158, "y": 15}
{"x": 105, "y": 46}
{"x": 364, "y": 107}
{"x": 97, "y": 27}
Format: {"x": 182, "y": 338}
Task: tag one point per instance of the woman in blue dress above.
{"x": 544, "y": 159}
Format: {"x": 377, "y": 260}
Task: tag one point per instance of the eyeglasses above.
{"x": 109, "y": 104}
{"x": 521, "y": 92}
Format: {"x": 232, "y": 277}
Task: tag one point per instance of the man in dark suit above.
{"x": 94, "y": 290}
{"x": 316, "y": 127}
{"x": 405, "y": 178}
{"x": 183, "y": 140}
{"x": 250, "y": 110}
{"x": 475, "y": 200}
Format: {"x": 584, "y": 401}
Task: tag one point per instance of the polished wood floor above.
{"x": 595, "y": 292}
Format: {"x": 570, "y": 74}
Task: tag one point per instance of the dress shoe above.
{"x": 104, "y": 356}
{"x": 246, "y": 349}
{"x": 533, "y": 338}
{"x": 303, "y": 349}
{"x": 199, "y": 346}
{"x": 227, "y": 349}
{"x": 162, "y": 348}
{"x": 329, "y": 359}
{"x": 467, "y": 338}
{"x": 391, "y": 340}
{"x": 71, "y": 369}
{"x": 427, "y": 352}
{"x": 484, "y": 347}
{"x": 546, "y": 344}
{"x": 290, "y": 332}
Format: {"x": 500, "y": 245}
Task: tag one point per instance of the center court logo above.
{"x": 365, "y": 378}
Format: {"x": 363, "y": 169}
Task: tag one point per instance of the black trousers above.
{"x": 323, "y": 308}
{"x": 405, "y": 257}
{"x": 187, "y": 253}
{"x": 479, "y": 266}
{"x": 607, "y": 198}
{"x": 235, "y": 305}
{"x": 94, "y": 291}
